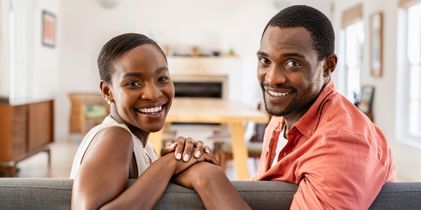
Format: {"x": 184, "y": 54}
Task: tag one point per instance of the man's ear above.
{"x": 106, "y": 92}
{"x": 330, "y": 65}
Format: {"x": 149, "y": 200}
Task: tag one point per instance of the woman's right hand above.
{"x": 185, "y": 148}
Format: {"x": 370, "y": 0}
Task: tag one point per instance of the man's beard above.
{"x": 292, "y": 106}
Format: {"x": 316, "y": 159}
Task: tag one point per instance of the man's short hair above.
{"x": 314, "y": 21}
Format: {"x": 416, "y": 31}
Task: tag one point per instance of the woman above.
{"x": 135, "y": 81}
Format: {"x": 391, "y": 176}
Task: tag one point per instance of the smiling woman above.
{"x": 135, "y": 82}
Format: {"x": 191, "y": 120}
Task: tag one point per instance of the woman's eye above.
{"x": 163, "y": 78}
{"x": 292, "y": 64}
{"x": 134, "y": 84}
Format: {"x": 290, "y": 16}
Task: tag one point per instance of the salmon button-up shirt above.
{"x": 338, "y": 158}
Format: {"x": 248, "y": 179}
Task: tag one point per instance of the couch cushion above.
{"x": 399, "y": 195}
{"x": 36, "y": 194}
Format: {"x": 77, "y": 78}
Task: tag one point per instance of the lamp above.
{"x": 109, "y": 4}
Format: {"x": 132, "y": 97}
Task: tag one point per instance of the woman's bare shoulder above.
{"x": 111, "y": 140}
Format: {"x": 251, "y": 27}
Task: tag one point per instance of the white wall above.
{"x": 407, "y": 161}
{"x": 39, "y": 82}
{"x": 4, "y": 57}
{"x": 46, "y": 62}
{"x": 86, "y": 26}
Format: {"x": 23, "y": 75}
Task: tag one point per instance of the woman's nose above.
{"x": 151, "y": 91}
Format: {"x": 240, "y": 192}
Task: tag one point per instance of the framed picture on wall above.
{"x": 48, "y": 35}
{"x": 376, "y": 44}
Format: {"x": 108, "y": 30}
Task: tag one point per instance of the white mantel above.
{"x": 224, "y": 69}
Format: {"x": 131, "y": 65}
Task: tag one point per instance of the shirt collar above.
{"x": 307, "y": 124}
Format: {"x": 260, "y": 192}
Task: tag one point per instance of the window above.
{"x": 351, "y": 52}
{"x": 409, "y": 77}
{"x": 21, "y": 52}
{"x": 414, "y": 67}
{"x": 353, "y": 58}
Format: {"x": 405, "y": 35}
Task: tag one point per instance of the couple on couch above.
{"x": 316, "y": 138}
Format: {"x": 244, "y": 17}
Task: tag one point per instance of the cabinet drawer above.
{"x": 19, "y": 144}
{"x": 20, "y": 114}
{"x": 40, "y": 125}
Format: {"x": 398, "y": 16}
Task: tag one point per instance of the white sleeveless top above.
{"x": 141, "y": 153}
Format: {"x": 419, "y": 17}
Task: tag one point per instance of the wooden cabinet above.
{"x": 87, "y": 111}
{"x": 24, "y": 131}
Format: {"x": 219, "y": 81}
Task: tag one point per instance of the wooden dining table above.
{"x": 206, "y": 110}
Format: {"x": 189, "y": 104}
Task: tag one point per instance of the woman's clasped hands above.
{"x": 188, "y": 152}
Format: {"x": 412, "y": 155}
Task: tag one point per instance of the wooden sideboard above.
{"x": 87, "y": 111}
{"x": 24, "y": 131}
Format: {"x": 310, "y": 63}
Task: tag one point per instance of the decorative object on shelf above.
{"x": 231, "y": 52}
{"x": 109, "y": 4}
{"x": 216, "y": 53}
{"x": 48, "y": 29}
{"x": 195, "y": 51}
{"x": 376, "y": 44}
{"x": 366, "y": 102}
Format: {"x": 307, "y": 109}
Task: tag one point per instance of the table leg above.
{"x": 239, "y": 150}
{"x": 156, "y": 140}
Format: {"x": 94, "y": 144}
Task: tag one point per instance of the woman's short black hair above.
{"x": 314, "y": 21}
{"x": 117, "y": 47}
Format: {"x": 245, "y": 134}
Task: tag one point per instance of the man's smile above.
{"x": 277, "y": 93}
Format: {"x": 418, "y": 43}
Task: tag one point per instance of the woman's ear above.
{"x": 330, "y": 65}
{"x": 106, "y": 92}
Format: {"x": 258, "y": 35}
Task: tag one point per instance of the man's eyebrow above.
{"x": 292, "y": 55}
{"x": 259, "y": 53}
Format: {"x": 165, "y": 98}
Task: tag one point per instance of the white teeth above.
{"x": 276, "y": 94}
{"x": 150, "y": 110}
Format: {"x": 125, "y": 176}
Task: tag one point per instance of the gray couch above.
{"x": 28, "y": 194}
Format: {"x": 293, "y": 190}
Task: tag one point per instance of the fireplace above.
{"x": 200, "y": 86}
{"x": 209, "y": 77}
{"x": 198, "y": 89}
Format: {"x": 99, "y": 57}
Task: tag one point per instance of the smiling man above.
{"x": 316, "y": 137}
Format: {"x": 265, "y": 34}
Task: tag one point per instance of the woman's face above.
{"x": 141, "y": 88}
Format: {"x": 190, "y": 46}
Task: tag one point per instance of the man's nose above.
{"x": 275, "y": 76}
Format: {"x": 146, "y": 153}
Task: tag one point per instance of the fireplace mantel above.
{"x": 224, "y": 69}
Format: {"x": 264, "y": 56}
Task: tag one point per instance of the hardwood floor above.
{"x": 62, "y": 154}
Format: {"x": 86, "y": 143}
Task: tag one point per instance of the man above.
{"x": 316, "y": 138}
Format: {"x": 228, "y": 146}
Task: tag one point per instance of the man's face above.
{"x": 290, "y": 75}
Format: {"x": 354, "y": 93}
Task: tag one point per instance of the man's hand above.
{"x": 184, "y": 148}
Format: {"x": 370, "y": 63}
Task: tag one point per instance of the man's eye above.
{"x": 263, "y": 60}
{"x": 292, "y": 64}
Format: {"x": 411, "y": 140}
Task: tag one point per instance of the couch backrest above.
{"x": 37, "y": 194}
